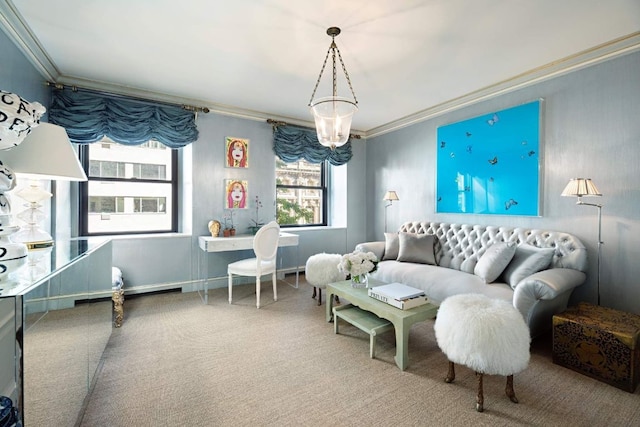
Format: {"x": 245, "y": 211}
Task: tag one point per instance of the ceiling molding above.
{"x": 15, "y": 27}
{"x": 598, "y": 54}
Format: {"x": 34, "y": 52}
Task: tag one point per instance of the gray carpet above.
{"x": 176, "y": 362}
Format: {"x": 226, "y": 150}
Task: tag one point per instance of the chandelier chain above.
{"x": 344, "y": 69}
{"x": 324, "y": 64}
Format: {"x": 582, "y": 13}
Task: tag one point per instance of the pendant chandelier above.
{"x": 333, "y": 114}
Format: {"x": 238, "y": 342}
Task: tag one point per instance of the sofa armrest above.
{"x": 376, "y": 247}
{"x": 545, "y": 285}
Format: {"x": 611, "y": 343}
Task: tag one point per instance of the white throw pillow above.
{"x": 527, "y": 260}
{"x": 391, "y": 246}
{"x": 494, "y": 260}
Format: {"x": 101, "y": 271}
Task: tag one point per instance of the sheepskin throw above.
{"x": 484, "y": 334}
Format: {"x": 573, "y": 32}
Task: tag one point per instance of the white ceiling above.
{"x": 261, "y": 58}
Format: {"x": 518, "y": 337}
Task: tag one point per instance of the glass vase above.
{"x": 359, "y": 281}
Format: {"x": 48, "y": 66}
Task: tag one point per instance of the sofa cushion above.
{"x": 391, "y": 246}
{"x": 527, "y": 260}
{"x": 494, "y": 260}
{"x": 416, "y": 248}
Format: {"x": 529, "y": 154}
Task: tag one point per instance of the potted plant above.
{"x": 256, "y": 224}
{"x": 229, "y": 229}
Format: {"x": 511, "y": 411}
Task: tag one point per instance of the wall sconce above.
{"x": 583, "y": 187}
{"x": 389, "y": 196}
{"x": 45, "y": 154}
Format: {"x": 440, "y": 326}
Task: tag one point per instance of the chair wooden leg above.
{"x": 230, "y": 286}
{"x": 509, "y": 389}
{"x": 337, "y": 299}
{"x": 314, "y": 293}
{"x": 275, "y": 287}
{"x": 480, "y": 397}
{"x": 451, "y": 375}
{"x": 258, "y": 292}
{"x": 319, "y": 296}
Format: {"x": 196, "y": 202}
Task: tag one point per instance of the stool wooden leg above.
{"x": 451, "y": 375}
{"x": 319, "y": 296}
{"x": 314, "y": 293}
{"x": 509, "y": 389}
{"x": 480, "y": 397}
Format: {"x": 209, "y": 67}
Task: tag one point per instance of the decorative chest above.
{"x": 600, "y": 342}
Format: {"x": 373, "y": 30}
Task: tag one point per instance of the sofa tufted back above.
{"x": 461, "y": 245}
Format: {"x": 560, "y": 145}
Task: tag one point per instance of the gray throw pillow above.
{"x": 527, "y": 260}
{"x": 416, "y": 248}
{"x": 494, "y": 260}
{"x": 391, "y": 246}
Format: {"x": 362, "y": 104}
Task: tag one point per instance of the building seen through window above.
{"x": 131, "y": 189}
{"x": 301, "y": 193}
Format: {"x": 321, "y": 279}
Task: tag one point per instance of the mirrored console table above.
{"x": 55, "y": 321}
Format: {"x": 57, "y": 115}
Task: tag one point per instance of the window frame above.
{"x": 83, "y": 196}
{"x": 323, "y": 188}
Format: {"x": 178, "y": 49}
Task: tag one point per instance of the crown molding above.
{"x": 615, "y": 48}
{"x": 16, "y": 28}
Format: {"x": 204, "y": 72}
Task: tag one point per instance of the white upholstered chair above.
{"x": 265, "y": 247}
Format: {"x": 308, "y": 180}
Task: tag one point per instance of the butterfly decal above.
{"x": 467, "y": 188}
{"x": 443, "y": 144}
{"x": 509, "y": 203}
{"x": 452, "y": 155}
{"x": 439, "y": 199}
{"x": 524, "y": 143}
{"x": 493, "y": 161}
{"x": 493, "y": 120}
{"x": 491, "y": 179}
{"x": 468, "y": 134}
{"x": 469, "y": 149}
{"x": 531, "y": 153}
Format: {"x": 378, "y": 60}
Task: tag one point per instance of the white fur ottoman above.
{"x": 322, "y": 269}
{"x": 484, "y": 334}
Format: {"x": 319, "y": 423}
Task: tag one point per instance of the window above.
{"x": 131, "y": 189}
{"x": 301, "y": 193}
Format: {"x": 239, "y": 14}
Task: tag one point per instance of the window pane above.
{"x": 297, "y": 206}
{"x": 146, "y": 161}
{"x": 299, "y": 173}
{"x": 141, "y": 206}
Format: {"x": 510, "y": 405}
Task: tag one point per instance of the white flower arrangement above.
{"x": 358, "y": 263}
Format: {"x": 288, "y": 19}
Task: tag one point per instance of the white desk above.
{"x": 239, "y": 243}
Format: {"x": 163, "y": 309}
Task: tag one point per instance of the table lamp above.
{"x": 46, "y": 153}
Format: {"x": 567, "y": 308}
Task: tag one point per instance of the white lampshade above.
{"x": 580, "y": 187}
{"x": 391, "y": 195}
{"x": 46, "y": 153}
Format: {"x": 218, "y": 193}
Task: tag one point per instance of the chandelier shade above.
{"x": 333, "y": 114}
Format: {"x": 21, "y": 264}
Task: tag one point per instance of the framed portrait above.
{"x": 491, "y": 164}
{"x": 236, "y": 194}
{"x": 236, "y": 152}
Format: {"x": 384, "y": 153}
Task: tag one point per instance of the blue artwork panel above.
{"x": 490, "y": 164}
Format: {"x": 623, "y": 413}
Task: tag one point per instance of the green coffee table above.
{"x": 401, "y": 319}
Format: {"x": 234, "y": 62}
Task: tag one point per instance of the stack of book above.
{"x": 398, "y": 295}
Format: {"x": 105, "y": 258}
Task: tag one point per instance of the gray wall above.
{"x": 591, "y": 129}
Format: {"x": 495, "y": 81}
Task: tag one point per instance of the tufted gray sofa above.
{"x": 458, "y": 248}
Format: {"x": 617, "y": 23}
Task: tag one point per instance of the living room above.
{"x": 590, "y": 129}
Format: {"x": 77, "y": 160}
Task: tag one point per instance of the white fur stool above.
{"x": 484, "y": 334}
{"x": 322, "y": 269}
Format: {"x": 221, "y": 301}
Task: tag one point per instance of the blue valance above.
{"x": 291, "y": 144}
{"x": 88, "y": 116}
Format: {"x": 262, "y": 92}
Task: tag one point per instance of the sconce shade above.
{"x": 580, "y": 187}
{"x": 46, "y": 153}
{"x": 391, "y": 195}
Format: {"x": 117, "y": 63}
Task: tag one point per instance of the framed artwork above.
{"x": 491, "y": 164}
{"x": 236, "y": 194}
{"x": 236, "y": 152}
